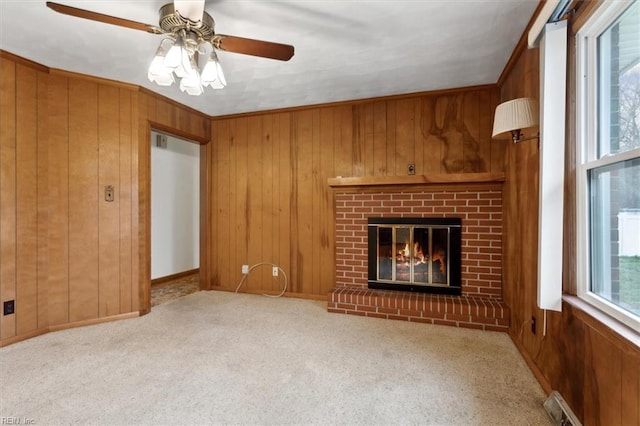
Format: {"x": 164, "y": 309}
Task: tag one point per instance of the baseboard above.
{"x": 274, "y": 293}
{"x": 11, "y": 340}
{"x": 546, "y": 386}
{"x": 173, "y": 277}
{"x": 94, "y": 321}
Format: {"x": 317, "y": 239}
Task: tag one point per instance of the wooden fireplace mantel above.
{"x": 442, "y": 179}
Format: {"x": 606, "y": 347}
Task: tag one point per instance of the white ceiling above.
{"x": 344, "y": 50}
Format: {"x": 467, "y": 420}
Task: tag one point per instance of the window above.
{"x": 608, "y": 170}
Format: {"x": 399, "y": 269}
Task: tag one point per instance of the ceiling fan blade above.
{"x": 248, "y": 46}
{"x": 190, "y": 9}
{"x": 99, "y": 17}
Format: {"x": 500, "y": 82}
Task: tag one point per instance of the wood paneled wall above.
{"x": 66, "y": 252}
{"x": 270, "y": 201}
{"x": 92, "y": 143}
{"x": 23, "y": 192}
{"x": 67, "y": 256}
{"x": 593, "y": 367}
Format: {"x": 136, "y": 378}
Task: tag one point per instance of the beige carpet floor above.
{"x": 225, "y": 358}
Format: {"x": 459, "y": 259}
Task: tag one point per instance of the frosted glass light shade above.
{"x": 158, "y": 72}
{"x": 212, "y": 74}
{"x": 516, "y": 114}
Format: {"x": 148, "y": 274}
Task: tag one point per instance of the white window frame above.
{"x": 586, "y": 150}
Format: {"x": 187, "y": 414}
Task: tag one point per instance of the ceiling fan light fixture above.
{"x": 174, "y": 55}
{"x": 191, "y": 82}
{"x": 162, "y": 79}
{"x": 212, "y": 74}
{"x": 158, "y": 72}
{"x": 191, "y": 85}
{"x": 184, "y": 66}
{"x": 186, "y": 27}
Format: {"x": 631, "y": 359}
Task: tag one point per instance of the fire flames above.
{"x": 404, "y": 256}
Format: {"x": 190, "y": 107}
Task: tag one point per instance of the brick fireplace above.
{"x": 480, "y": 210}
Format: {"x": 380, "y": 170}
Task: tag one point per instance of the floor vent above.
{"x": 559, "y": 411}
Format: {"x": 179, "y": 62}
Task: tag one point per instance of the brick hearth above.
{"x": 458, "y": 311}
{"x": 479, "y": 306}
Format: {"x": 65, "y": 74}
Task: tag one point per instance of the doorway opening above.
{"x": 175, "y": 217}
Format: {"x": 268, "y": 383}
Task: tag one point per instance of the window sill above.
{"x": 603, "y": 323}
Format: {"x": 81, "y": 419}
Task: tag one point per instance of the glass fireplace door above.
{"x": 413, "y": 254}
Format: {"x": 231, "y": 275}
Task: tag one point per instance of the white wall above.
{"x": 175, "y": 201}
{"x": 629, "y": 232}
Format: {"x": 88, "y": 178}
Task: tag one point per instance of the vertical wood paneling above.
{"x": 343, "y": 137}
{"x": 138, "y": 112}
{"x": 221, "y": 194}
{"x": 265, "y": 247}
{"x": 603, "y": 375}
{"x": 163, "y": 112}
{"x": 367, "y": 135}
{"x": 380, "y": 167}
{"x": 205, "y": 218}
{"x": 630, "y": 407}
{"x": 83, "y": 200}
{"x": 418, "y": 138}
{"x": 283, "y": 162}
{"x": 244, "y": 178}
{"x": 302, "y": 229}
{"x": 498, "y": 146}
{"x": 66, "y": 254}
{"x": 485, "y": 127}
{"x": 392, "y": 166}
{"x": 236, "y": 139}
{"x": 43, "y": 201}
{"x": 432, "y": 145}
{"x": 254, "y": 203}
{"x": 451, "y": 130}
{"x": 595, "y": 370}
{"x": 147, "y": 107}
{"x": 58, "y": 184}
{"x": 7, "y": 193}
{"x": 124, "y": 196}
{"x": 474, "y": 162}
{"x": 109, "y": 212}
{"x": 26, "y": 199}
{"x": 405, "y": 146}
{"x": 314, "y": 246}
{"x": 326, "y": 224}
{"x": 358, "y": 149}
{"x": 277, "y": 165}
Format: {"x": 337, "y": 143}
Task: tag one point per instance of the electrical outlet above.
{"x": 245, "y": 269}
{"x": 533, "y": 324}
{"x": 8, "y": 307}
{"x": 411, "y": 169}
{"x": 274, "y": 271}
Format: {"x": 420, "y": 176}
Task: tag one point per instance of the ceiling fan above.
{"x": 188, "y": 50}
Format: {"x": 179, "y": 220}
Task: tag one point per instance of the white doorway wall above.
{"x": 175, "y": 205}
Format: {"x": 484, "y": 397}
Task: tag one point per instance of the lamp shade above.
{"x": 516, "y": 114}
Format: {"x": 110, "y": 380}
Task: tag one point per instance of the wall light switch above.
{"x": 109, "y": 193}
{"x": 245, "y": 269}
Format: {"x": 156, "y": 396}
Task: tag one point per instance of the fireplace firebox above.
{"x": 415, "y": 254}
